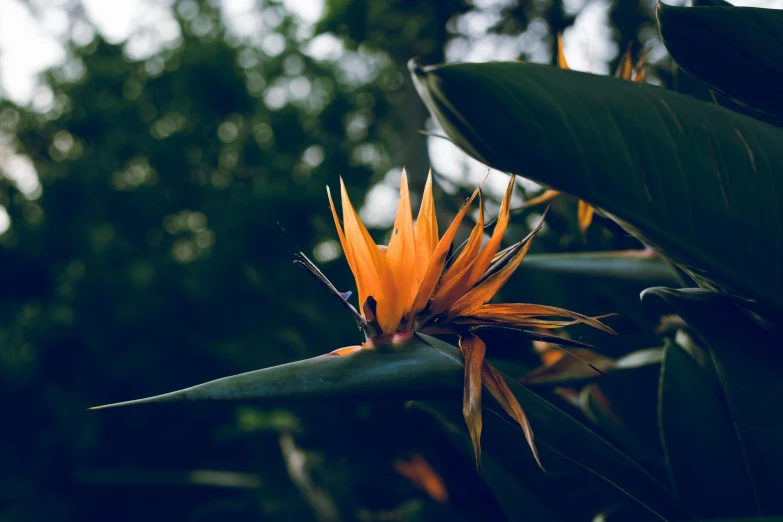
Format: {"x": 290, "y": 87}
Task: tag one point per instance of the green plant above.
{"x": 691, "y": 430}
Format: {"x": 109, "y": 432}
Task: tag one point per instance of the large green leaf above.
{"x": 699, "y": 183}
{"x": 703, "y": 454}
{"x": 749, "y": 362}
{"x": 412, "y": 371}
{"x": 425, "y": 368}
{"x": 734, "y": 50}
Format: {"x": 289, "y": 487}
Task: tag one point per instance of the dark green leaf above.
{"x": 734, "y": 50}
{"x": 624, "y": 405}
{"x": 699, "y": 183}
{"x": 749, "y": 363}
{"x": 411, "y": 371}
{"x": 628, "y": 265}
{"x": 429, "y": 368}
{"x": 696, "y": 428}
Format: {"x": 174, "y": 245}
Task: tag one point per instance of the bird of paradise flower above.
{"x": 406, "y": 287}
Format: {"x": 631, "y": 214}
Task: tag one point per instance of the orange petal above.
{"x": 469, "y": 277}
{"x": 401, "y": 254}
{"x": 438, "y": 259}
{"x": 372, "y": 271}
{"x": 454, "y": 282}
{"x": 579, "y": 363}
{"x": 471, "y": 249}
{"x": 584, "y": 216}
{"x": 561, "y": 60}
{"x": 348, "y": 350}
{"x": 625, "y": 67}
{"x": 473, "y": 351}
{"x": 421, "y": 474}
{"x": 639, "y": 74}
{"x": 346, "y": 250}
{"x": 486, "y": 255}
{"x": 485, "y": 290}
{"x": 502, "y": 393}
{"x": 545, "y": 196}
{"x": 523, "y": 314}
{"x": 426, "y": 234}
{"x": 525, "y": 322}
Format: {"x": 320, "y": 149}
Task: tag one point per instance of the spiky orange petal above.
{"x": 426, "y": 234}
{"x": 473, "y": 351}
{"x": 372, "y": 271}
{"x": 625, "y": 66}
{"x": 471, "y": 275}
{"x": 438, "y": 259}
{"x": 561, "y": 60}
{"x": 485, "y": 290}
{"x": 487, "y": 253}
{"x": 471, "y": 249}
{"x": 346, "y": 250}
{"x": 401, "y": 253}
{"x": 639, "y": 74}
{"x": 511, "y": 313}
{"x": 454, "y": 283}
{"x": 584, "y": 214}
{"x": 547, "y": 195}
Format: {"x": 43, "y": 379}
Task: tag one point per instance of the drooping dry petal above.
{"x": 438, "y": 259}
{"x": 502, "y": 393}
{"x": 373, "y": 277}
{"x": 401, "y": 253}
{"x": 473, "y": 351}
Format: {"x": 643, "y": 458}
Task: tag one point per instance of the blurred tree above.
{"x": 151, "y": 258}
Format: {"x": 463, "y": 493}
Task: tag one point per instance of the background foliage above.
{"x": 151, "y": 259}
